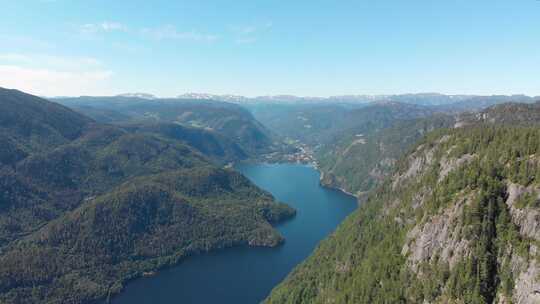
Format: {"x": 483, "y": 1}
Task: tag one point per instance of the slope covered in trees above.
{"x": 456, "y": 223}
{"x": 319, "y": 124}
{"x": 229, "y": 120}
{"x": 359, "y": 162}
{"x": 85, "y": 207}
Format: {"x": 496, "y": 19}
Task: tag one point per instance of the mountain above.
{"x": 457, "y": 222}
{"x": 507, "y": 113}
{"x": 204, "y": 96}
{"x": 86, "y": 207}
{"x": 359, "y": 162}
{"x": 138, "y": 95}
{"x": 213, "y": 145}
{"x": 226, "y": 119}
{"x": 446, "y": 102}
{"x": 354, "y": 147}
{"x": 357, "y": 146}
{"x": 29, "y": 124}
{"x": 319, "y": 124}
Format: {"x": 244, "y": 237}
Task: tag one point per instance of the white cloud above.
{"x": 53, "y": 75}
{"x": 170, "y": 32}
{"x": 105, "y": 26}
{"x": 249, "y": 33}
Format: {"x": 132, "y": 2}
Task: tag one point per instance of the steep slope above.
{"x": 355, "y": 147}
{"x": 324, "y": 123}
{"x": 227, "y": 119}
{"x": 457, "y": 223}
{"x": 359, "y": 162}
{"x": 101, "y": 204}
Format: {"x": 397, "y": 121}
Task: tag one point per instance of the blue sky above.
{"x": 315, "y": 48}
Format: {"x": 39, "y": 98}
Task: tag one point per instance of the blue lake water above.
{"x": 247, "y": 275}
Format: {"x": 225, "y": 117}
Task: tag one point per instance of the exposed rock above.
{"x": 527, "y": 219}
{"x": 438, "y": 238}
{"x": 417, "y": 161}
{"x": 527, "y": 286}
{"x": 447, "y": 165}
{"x": 419, "y": 198}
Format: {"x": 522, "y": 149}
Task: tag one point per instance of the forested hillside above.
{"x": 321, "y": 124}
{"x": 85, "y": 207}
{"x": 359, "y": 162}
{"x": 225, "y": 119}
{"x": 456, "y": 223}
{"x": 355, "y": 146}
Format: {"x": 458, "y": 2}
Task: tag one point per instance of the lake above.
{"x": 247, "y": 275}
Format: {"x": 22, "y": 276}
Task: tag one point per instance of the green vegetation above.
{"x": 85, "y": 207}
{"x": 356, "y": 146}
{"x": 359, "y": 162}
{"x": 220, "y": 118}
{"x": 373, "y": 256}
{"x": 320, "y": 124}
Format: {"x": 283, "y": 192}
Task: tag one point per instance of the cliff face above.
{"x": 458, "y": 222}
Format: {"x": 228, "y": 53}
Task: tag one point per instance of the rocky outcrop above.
{"x": 448, "y": 164}
{"x": 527, "y": 219}
{"x": 527, "y": 285}
{"x": 417, "y": 162}
{"x": 439, "y": 239}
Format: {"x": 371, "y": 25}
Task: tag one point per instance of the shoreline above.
{"x": 329, "y": 186}
{"x": 313, "y": 164}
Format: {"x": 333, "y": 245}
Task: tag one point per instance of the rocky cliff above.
{"x": 458, "y": 222}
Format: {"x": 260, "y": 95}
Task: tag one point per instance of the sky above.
{"x": 262, "y": 47}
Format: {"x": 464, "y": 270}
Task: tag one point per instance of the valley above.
{"x": 269, "y": 152}
{"x": 222, "y": 276}
{"x": 124, "y": 199}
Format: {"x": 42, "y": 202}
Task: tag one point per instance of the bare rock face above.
{"x": 418, "y": 161}
{"x": 527, "y": 286}
{"x": 438, "y": 239}
{"x": 449, "y": 164}
{"x": 527, "y": 219}
{"x": 526, "y": 272}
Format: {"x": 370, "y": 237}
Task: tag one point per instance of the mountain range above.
{"x": 427, "y": 99}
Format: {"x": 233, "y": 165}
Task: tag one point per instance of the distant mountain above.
{"x": 139, "y": 95}
{"x": 203, "y": 96}
{"x": 359, "y": 162}
{"x": 447, "y": 102}
{"x": 322, "y": 123}
{"x": 227, "y": 119}
{"x": 507, "y": 113}
{"x": 86, "y": 206}
{"x": 476, "y": 103}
